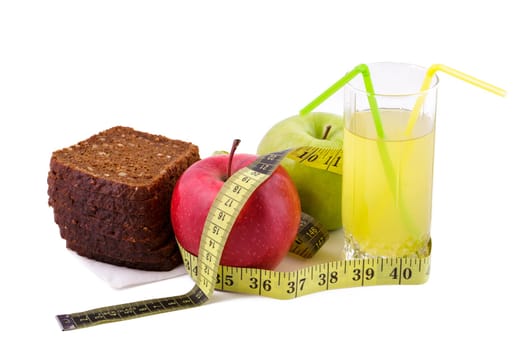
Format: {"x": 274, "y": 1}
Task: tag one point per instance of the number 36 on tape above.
{"x": 210, "y": 275}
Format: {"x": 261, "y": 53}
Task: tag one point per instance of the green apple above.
{"x": 319, "y": 190}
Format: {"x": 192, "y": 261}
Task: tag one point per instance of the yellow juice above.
{"x": 387, "y": 185}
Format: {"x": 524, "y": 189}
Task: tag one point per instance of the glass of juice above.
{"x": 387, "y": 175}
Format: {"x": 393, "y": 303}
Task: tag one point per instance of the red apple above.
{"x": 266, "y": 227}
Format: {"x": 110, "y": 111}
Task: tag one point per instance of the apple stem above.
{"x": 230, "y": 160}
{"x": 326, "y": 131}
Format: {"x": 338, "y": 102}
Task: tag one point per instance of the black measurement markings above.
{"x": 324, "y": 157}
{"x": 131, "y": 310}
{"x": 266, "y": 164}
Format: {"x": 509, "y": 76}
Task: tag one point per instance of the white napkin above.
{"x": 122, "y": 277}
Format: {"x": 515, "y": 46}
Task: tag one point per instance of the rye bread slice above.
{"x": 120, "y": 249}
{"x": 127, "y": 246}
{"x": 60, "y": 192}
{"x": 124, "y": 163}
{"x": 100, "y": 252}
{"x": 131, "y": 219}
{"x": 147, "y": 236}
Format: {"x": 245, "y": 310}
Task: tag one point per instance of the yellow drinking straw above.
{"x": 455, "y": 73}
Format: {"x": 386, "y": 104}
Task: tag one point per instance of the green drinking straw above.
{"x": 363, "y": 69}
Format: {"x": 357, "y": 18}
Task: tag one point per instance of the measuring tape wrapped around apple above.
{"x": 239, "y": 198}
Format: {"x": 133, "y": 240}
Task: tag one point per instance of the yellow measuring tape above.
{"x": 210, "y": 275}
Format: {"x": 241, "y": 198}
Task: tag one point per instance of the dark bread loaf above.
{"x": 111, "y": 196}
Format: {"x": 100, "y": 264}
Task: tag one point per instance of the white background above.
{"x": 211, "y": 71}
